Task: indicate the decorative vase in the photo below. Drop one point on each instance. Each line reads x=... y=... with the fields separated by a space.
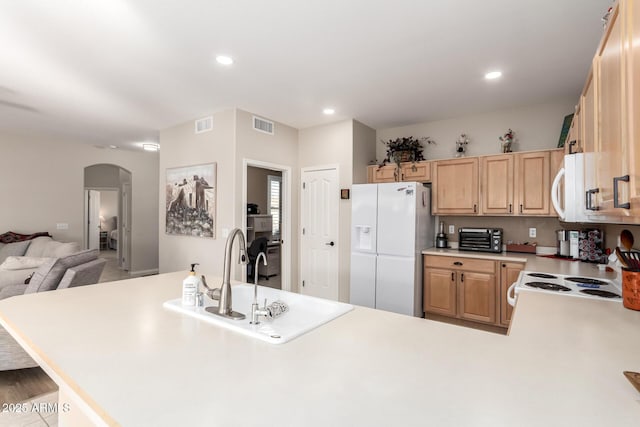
x=402 y=156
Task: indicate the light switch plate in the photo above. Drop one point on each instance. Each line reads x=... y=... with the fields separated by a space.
x=532 y=232
x=452 y=229
x=225 y=232
x=62 y=226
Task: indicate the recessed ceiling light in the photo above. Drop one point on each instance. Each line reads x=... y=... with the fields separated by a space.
x=328 y=111
x=493 y=75
x=113 y=147
x=147 y=146
x=224 y=60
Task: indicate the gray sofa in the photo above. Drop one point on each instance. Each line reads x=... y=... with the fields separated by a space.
x=60 y=271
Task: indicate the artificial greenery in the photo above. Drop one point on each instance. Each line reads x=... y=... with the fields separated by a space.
x=412 y=146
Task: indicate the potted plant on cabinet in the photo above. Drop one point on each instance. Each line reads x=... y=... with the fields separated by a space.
x=405 y=149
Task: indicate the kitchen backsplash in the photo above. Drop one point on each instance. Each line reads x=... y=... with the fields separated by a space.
x=516 y=229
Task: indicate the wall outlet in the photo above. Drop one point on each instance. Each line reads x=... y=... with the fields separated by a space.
x=452 y=229
x=62 y=226
x=532 y=232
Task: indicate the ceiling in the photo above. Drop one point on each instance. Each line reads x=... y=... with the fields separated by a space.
x=116 y=72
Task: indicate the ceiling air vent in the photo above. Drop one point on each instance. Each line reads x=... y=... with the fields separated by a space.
x=204 y=124
x=262 y=125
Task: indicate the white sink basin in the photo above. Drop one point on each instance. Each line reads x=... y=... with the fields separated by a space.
x=305 y=313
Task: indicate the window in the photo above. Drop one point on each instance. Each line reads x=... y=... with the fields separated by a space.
x=274 y=196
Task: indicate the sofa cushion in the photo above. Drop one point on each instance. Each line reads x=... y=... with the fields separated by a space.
x=13 y=249
x=47 y=247
x=48 y=276
x=22 y=262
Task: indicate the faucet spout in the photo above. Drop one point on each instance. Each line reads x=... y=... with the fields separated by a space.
x=224 y=307
x=255 y=308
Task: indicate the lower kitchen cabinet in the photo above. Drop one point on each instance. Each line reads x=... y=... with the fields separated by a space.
x=463 y=288
x=509 y=272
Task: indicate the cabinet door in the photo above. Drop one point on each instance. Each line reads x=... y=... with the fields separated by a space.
x=497 y=184
x=418 y=171
x=509 y=272
x=633 y=71
x=377 y=174
x=477 y=297
x=588 y=116
x=609 y=157
x=455 y=184
x=533 y=190
x=440 y=291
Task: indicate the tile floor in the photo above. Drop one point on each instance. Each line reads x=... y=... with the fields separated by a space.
x=41 y=411
x=111 y=271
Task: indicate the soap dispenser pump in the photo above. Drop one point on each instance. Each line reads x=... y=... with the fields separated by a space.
x=190 y=287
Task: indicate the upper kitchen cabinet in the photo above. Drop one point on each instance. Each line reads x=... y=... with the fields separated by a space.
x=587 y=132
x=497 y=184
x=455 y=187
x=609 y=99
x=614 y=92
x=408 y=171
x=573 y=143
x=518 y=183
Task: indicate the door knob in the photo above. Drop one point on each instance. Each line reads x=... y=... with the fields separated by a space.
x=330 y=244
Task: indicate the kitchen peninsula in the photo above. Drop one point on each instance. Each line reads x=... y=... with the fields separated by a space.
x=120 y=358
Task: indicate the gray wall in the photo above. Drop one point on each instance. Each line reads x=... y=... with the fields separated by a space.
x=42 y=184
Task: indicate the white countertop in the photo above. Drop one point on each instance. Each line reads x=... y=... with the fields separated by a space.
x=136 y=363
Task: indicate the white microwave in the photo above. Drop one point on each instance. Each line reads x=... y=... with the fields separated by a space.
x=569 y=195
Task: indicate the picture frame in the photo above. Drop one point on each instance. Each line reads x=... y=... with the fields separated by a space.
x=191 y=200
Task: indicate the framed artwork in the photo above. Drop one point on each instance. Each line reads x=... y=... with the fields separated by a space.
x=191 y=201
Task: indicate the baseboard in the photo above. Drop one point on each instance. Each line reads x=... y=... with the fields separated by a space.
x=140 y=273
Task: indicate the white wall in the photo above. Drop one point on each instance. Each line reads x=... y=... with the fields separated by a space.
x=180 y=146
x=108 y=203
x=536 y=127
x=42 y=184
x=364 y=151
x=333 y=144
x=279 y=149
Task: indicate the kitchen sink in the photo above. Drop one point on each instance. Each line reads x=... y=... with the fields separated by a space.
x=305 y=313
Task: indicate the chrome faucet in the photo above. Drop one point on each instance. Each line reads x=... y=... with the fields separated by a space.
x=256 y=312
x=225 y=303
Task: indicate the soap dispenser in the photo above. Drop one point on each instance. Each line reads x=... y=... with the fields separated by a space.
x=190 y=288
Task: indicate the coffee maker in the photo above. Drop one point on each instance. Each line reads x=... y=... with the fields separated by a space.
x=441 y=238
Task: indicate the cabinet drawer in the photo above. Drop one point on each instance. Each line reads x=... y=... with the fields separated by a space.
x=458 y=263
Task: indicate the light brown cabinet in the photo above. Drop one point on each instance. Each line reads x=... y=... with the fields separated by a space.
x=409 y=171
x=455 y=187
x=509 y=272
x=464 y=288
x=518 y=183
x=610 y=105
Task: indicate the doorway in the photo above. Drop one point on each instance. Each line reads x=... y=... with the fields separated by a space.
x=319 y=225
x=107 y=216
x=266 y=219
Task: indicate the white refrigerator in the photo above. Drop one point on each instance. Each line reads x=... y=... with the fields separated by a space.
x=390 y=226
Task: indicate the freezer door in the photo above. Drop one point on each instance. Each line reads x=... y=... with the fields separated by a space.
x=364 y=203
x=397 y=218
x=363 y=280
x=396 y=289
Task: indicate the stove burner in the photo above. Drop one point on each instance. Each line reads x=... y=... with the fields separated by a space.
x=548 y=286
x=542 y=275
x=599 y=293
x=585 y=280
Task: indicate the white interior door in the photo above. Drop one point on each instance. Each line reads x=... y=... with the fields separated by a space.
x=319 y=240
x=93 y=219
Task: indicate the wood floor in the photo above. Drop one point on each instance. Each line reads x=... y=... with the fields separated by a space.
x=23 y=384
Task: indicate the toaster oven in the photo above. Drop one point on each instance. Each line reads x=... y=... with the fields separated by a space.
x=480 y=239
